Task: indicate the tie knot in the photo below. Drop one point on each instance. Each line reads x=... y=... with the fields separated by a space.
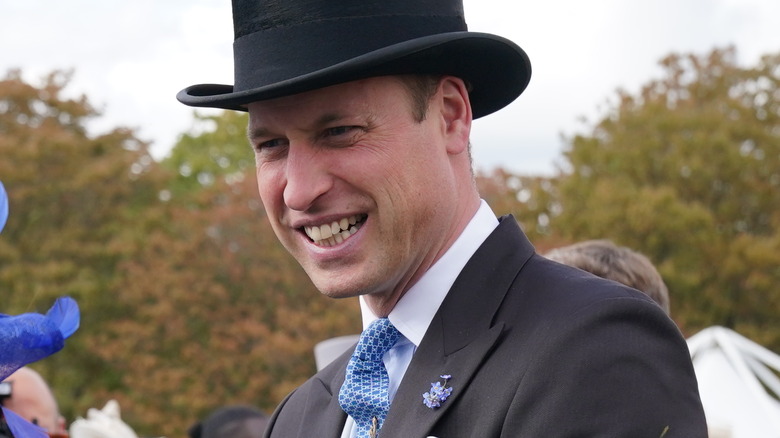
x=377 y=339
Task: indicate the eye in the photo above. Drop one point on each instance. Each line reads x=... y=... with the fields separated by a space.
x=339 y=130
x=271 y=144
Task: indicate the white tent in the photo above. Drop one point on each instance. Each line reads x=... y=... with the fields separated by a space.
x=738 y=383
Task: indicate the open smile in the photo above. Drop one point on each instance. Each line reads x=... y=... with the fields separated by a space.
x=336 y=231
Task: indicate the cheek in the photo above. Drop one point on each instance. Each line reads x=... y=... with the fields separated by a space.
x=270 y=189
x=273 y=206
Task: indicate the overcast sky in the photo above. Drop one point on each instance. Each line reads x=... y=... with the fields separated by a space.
x=132 y=57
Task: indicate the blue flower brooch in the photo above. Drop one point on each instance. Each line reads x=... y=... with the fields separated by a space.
x=439 y=392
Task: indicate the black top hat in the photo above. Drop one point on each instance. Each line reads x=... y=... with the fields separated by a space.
x=284 y=47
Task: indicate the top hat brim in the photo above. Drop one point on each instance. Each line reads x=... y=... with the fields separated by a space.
x=495 y=69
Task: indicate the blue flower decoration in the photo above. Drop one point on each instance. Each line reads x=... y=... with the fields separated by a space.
x=30 y=337
x=439 y=393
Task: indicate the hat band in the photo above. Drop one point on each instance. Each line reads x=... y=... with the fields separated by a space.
x=279 y=54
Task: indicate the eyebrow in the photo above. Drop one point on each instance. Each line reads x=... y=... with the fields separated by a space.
x=325 y=119
x=254 y=133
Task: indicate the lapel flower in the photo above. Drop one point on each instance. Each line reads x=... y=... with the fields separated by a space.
x=438 y=393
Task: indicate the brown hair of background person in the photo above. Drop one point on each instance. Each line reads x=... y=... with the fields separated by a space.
x=618 y=263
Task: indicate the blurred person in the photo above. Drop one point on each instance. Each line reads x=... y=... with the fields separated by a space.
x=235 y=421
x=32 y=399
x=360 y=114
x=617 y=263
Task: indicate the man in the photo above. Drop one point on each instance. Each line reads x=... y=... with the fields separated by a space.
x=32 y=399
x=360 y=114
x=617 y=263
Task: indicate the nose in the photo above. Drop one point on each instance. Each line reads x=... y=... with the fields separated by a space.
x=307 y=176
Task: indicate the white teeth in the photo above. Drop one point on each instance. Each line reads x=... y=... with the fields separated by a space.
x=334 y=233
x=326 y=231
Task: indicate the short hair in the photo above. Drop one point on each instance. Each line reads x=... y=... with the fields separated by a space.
x=421 y=89
x=607 y=260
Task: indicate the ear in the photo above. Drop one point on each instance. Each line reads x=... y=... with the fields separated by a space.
x=456 y=113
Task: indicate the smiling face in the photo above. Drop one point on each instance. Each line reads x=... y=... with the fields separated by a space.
x=362 y=194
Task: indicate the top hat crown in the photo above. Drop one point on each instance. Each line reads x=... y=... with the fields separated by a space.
x=285 y=47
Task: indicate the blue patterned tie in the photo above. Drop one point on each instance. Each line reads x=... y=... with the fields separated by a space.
x=364 y=394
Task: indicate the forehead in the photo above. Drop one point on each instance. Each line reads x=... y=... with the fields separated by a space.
x=351 y=97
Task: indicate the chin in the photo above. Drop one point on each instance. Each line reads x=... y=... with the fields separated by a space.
x=339 y=294
x=337 y=289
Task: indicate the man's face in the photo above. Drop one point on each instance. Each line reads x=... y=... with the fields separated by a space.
x=360 y=193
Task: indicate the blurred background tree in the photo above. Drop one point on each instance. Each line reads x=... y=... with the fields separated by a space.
x=74 y=202
x=216 y=149
x=189 y=302
x=688 y=172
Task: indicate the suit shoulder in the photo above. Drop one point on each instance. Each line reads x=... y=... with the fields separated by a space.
x=572 y=289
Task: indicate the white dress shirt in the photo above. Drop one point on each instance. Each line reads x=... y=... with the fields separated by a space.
x=415 y=310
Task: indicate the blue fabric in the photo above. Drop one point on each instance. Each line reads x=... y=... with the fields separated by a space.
x=364 y=394
x=29 y=337
x=22 y=428
x=3 y=206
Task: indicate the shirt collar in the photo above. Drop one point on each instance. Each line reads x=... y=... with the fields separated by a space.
x=415 y=310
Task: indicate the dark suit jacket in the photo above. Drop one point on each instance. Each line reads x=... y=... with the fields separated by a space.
x=535 y=349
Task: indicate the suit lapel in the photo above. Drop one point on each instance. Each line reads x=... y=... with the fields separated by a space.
x=462 y=333
x=322 y=415
x=409 y=416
